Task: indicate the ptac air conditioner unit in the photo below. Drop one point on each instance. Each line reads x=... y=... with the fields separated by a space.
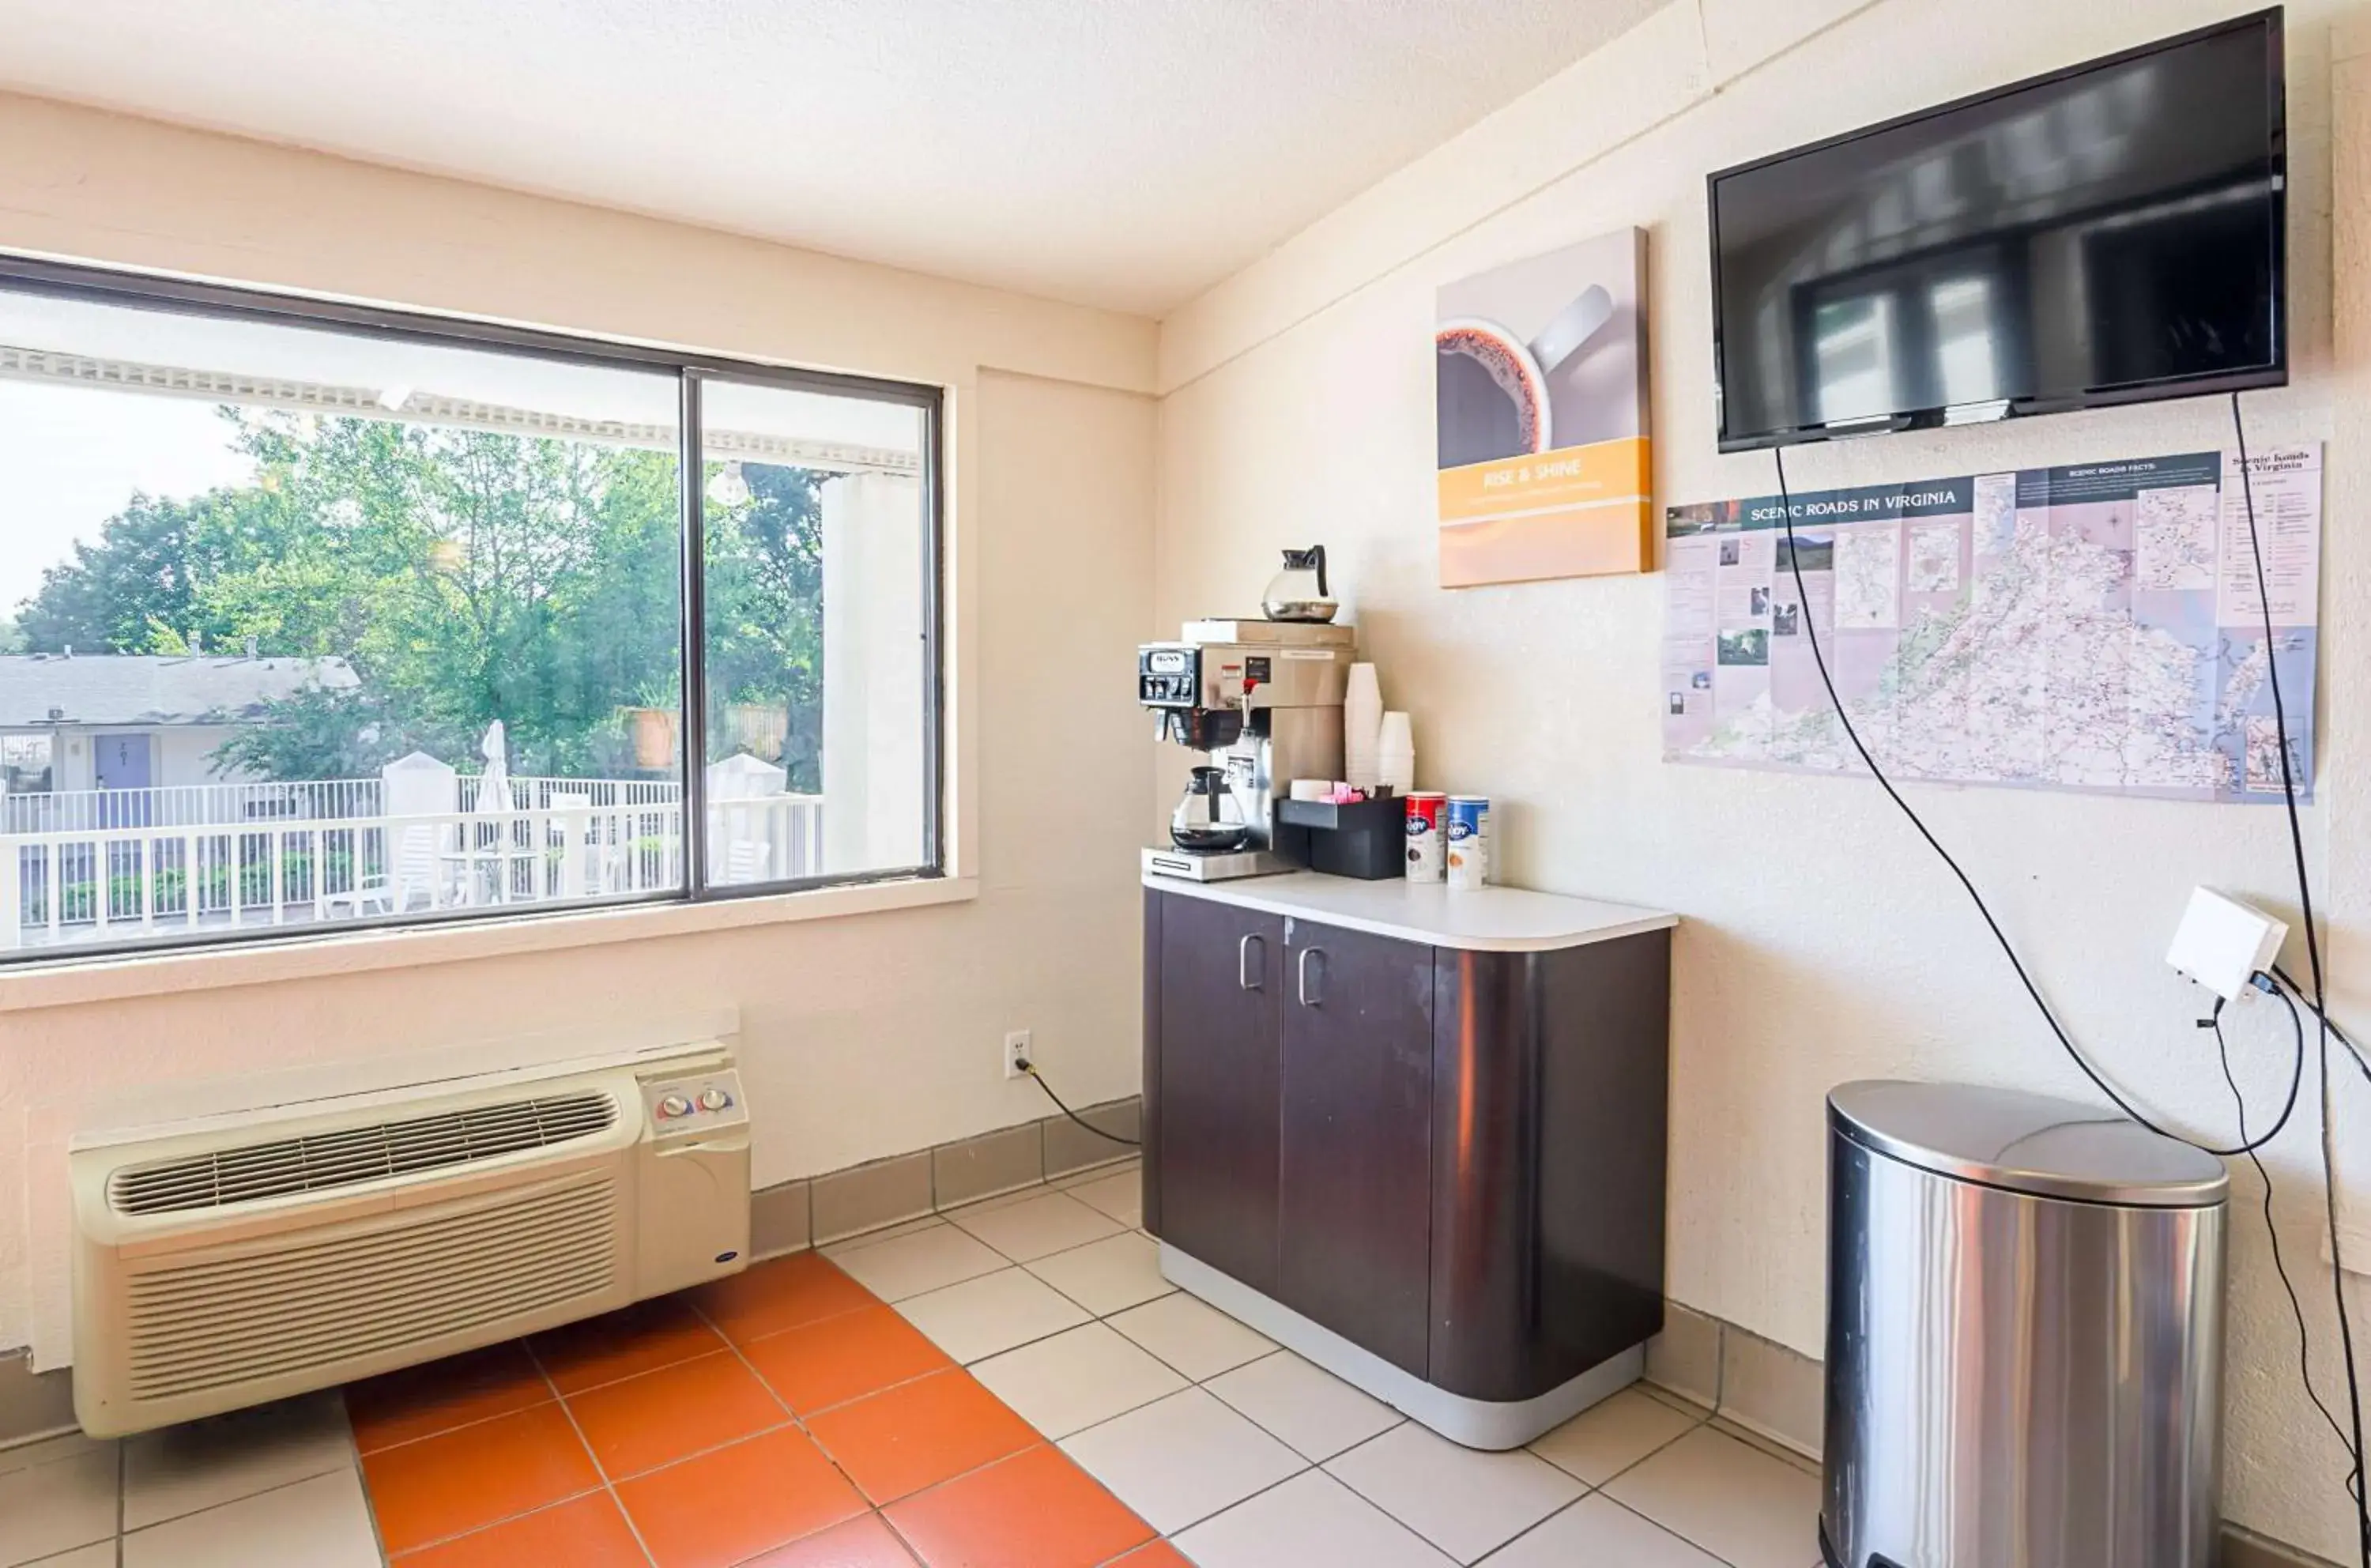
x=250 y=1258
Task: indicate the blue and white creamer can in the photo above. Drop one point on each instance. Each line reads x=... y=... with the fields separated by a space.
x=1468 y=832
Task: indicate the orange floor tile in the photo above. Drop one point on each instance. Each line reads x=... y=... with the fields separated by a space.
x=585 y=1532
x=865 y=1542
x=478 y=1475
x=420 y=1401
x=894 y=1443
x=785 y=1418
x=1159 y=1554
x=673 y=1413
x=1034 y=1510
x=785 y=1293
x=643 y=1338
x=728 y=1505
x=843 y=1358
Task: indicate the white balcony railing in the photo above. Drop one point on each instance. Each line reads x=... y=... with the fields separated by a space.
x=185 y=869
x=317 y=800
x=188 y=805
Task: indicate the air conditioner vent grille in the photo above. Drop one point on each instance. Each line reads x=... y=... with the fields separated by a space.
x=322 y=1161
x=285 y=1312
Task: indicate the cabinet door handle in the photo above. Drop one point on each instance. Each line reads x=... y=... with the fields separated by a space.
x=1245 y=975
x=1307 y=1000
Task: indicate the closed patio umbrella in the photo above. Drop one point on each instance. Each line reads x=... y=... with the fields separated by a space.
x=494 y=784
x=493 y=840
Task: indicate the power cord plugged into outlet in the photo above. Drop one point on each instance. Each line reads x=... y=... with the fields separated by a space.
x=1018 y=1063
x=2268 y=982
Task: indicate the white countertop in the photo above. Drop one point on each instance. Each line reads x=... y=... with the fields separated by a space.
x=1488 y=919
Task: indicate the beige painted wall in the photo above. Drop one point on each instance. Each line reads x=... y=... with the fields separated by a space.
x=1822 y=941
x=1819 y=943
x=861 y=1036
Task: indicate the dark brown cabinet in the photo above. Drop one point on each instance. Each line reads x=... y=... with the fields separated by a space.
x=1355 y=1152
x=1447 y=1154
x=1219 y=969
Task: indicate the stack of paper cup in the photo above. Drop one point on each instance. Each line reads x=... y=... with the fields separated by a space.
x=1395 y=754
x=1363 y=722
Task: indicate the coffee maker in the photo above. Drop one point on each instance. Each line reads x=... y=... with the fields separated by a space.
x=1262 y=699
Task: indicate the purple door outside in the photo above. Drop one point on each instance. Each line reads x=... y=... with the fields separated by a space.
x=122 y=762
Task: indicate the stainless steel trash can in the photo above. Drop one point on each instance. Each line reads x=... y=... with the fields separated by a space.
x=2025 y=1334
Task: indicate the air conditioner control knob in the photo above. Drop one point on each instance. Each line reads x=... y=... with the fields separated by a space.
x=673 y=1105
x=715 y=1100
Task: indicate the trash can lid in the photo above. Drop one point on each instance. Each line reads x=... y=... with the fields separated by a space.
x=2027 y=1143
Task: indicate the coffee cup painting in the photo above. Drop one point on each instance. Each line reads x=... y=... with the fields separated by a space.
x=1541 y=414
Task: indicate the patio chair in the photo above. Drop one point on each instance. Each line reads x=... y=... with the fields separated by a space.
x=745 y=860
x=416 y=866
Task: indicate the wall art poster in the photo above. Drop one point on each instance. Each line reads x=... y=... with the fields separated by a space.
x=1540 y=408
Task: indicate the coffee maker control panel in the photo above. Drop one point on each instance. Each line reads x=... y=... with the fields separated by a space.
x=1240 y=678
x=1169 y=675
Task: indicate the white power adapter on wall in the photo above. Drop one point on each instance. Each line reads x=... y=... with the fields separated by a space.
x=2224 y=944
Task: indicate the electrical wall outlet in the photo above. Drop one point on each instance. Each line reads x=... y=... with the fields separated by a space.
x=2223 y=943
x=1016 y=1053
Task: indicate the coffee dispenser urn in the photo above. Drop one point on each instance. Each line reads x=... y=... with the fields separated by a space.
x=1262 y=699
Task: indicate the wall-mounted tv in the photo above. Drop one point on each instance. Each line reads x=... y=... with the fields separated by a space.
x=2107 y=234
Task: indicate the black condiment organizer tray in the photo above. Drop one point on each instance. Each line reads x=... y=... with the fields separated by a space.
x=1367 y=839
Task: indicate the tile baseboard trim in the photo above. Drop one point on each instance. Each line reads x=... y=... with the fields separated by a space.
x=814 y=1210
x=1778 y=1393
x=33 y=1405
x=2245 y=1548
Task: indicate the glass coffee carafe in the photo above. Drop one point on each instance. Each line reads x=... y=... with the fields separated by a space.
x=1209 y=819
x=1300 y=593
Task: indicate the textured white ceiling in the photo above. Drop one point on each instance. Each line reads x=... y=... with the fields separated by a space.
x=1124 y=153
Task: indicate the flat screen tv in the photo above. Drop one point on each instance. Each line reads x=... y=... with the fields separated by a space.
x=2111 y=233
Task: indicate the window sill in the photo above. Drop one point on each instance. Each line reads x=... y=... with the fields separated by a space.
x=70 y=981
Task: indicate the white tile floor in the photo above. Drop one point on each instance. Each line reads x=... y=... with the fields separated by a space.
x=1037 y=1227
x=1076 y=1378
x=1249 y=1456
x=1463 y=1501
x=1181 y=1460
x=995 y=1312
x=277 y=1487
x=1191 y=1335
x=1110 y=1275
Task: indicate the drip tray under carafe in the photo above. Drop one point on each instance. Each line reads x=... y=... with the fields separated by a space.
x=1189 y=867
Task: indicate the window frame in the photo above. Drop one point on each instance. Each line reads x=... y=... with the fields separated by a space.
x=105 y=286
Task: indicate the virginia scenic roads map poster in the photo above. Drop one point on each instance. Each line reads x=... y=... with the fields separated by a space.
x=2088 y=628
